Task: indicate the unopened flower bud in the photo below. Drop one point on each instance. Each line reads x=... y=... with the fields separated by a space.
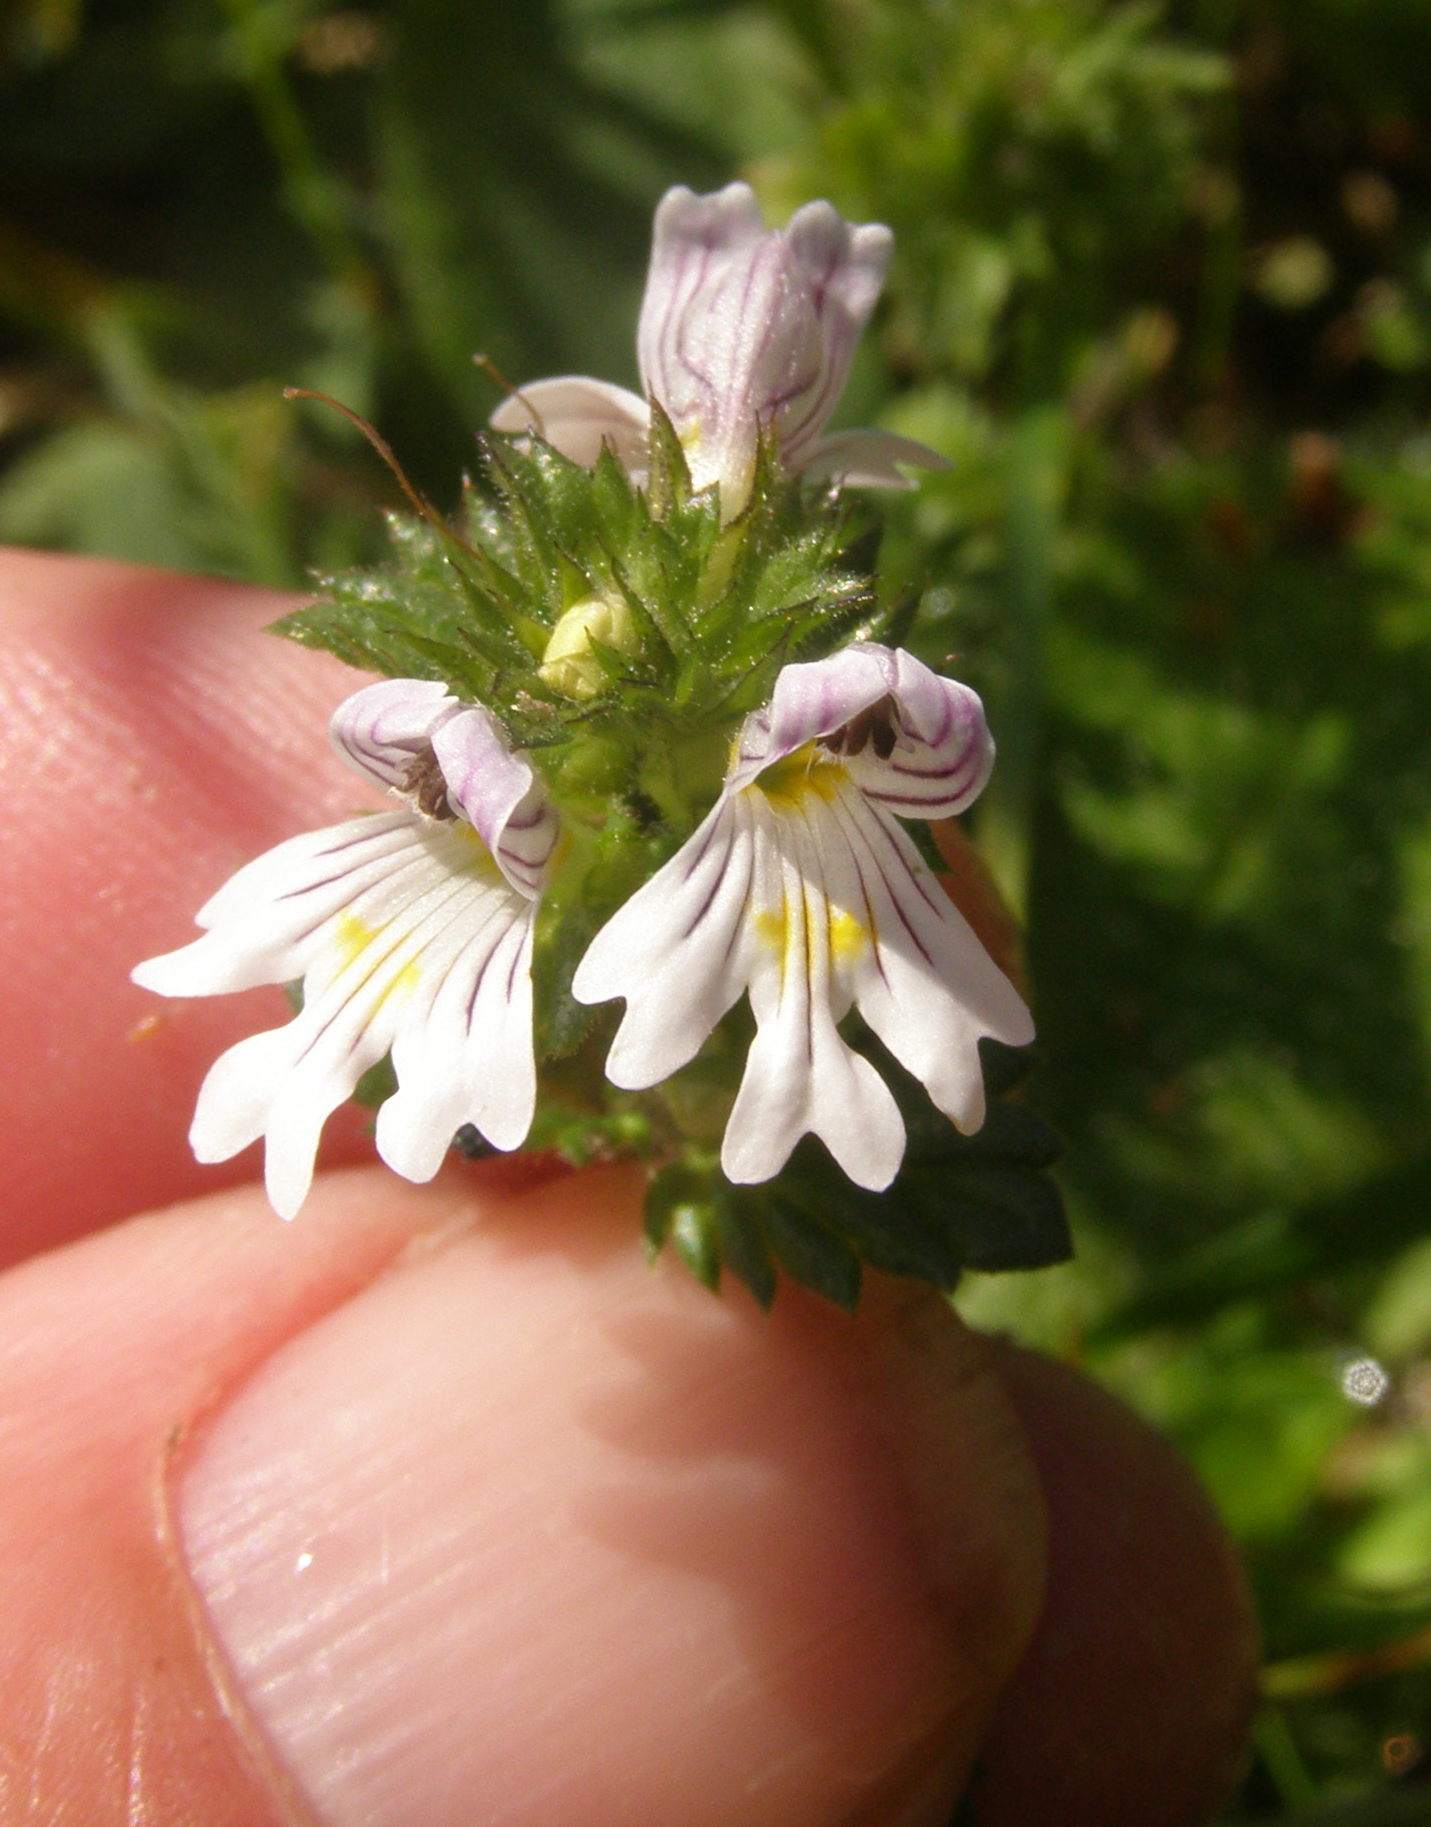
x=569 y=664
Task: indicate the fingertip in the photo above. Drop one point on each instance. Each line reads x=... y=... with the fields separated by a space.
x=528 y=1522
x=471 y=1509
x=1134 y=1700
x=113 y=1701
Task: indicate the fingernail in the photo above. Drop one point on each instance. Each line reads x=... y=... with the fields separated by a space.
x=529 y=1533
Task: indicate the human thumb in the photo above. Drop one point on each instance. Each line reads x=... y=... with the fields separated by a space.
x=442 y=1506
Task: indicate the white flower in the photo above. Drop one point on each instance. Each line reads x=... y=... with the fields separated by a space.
x=412 y=932
x=801 y=888
x=743 y=329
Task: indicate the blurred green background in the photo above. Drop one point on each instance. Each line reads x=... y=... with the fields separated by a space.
x=1163 y=295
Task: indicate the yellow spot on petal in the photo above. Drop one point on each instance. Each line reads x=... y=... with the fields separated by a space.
x=773 y=928
x=847 y=936
x=353 y=937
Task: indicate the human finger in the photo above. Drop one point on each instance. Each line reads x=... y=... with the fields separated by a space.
x=439 y=1505
x=1133 y=1701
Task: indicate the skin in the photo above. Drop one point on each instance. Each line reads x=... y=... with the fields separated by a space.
x=849 y=1568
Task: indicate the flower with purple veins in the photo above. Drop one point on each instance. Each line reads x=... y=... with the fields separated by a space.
x=411 y=930
x=801 y=889
x=745 y=331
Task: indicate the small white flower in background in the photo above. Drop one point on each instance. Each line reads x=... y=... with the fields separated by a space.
x=801 y=888
x=743 y=330
x=411 y=930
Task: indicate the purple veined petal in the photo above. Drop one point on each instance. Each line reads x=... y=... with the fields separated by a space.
x=412 y=934
x=813 y=699
x=943 y=753
x=283 y=1084
x=748 y=355
x=925 y=983
x=934 y=784
x=868 y=459
x=577 y=415
x=678 y=951
x=751 y=751
x=382 y=729
x=528 y=843
x=687 y=221
x=379 y=970
x=843 y=266
x=692 y=240
x=266 y=922
x=384 y=988
x=932 y=707
x=736 y=347
x=746 y=329
x=801 y=1077
x=471 y=1061
x=499 y=794
x=806 y=894
x=743 y=330
x=840 y=270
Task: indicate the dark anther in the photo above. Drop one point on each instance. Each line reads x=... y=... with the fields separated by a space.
x=875 y=726
x=425 y=785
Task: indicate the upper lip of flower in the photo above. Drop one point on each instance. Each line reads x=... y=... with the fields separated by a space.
x=744 y=331
x=744 y=328
x=801 y=888
x=387 y=730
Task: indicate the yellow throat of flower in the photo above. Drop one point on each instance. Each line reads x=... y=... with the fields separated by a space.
x=809 y=770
